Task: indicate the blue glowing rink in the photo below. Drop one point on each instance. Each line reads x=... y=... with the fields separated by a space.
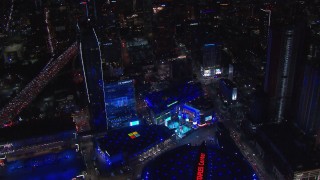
x=198 y=162
x=62 y=165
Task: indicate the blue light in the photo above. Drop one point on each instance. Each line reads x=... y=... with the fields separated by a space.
x=148 y=103
x=168 y=118
x=194 y=110
x=206 y=45
x=206 y=11
x=175 y=102
x=134 y=123
x=208 y=118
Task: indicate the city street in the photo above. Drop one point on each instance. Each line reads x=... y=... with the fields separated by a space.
x=25 y=97
x=232 y=123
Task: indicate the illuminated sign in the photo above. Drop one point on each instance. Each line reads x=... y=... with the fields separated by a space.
x=172 y=103
x=218 y=71
x=124 y=82
x=208 y=118
x=107 y=44
x=207 y=73
x=137 y=42
x=202 y=125
x=209 y=45
x=230 y=69
x=166 y=121
x=200 y=168
x=234 y=94
x=2 y=161
x=182 y=56
x=134 y=123
x=134 y=135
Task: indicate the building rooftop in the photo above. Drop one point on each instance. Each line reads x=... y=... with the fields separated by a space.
x=26 y=130
x=202 y=103
x=13 y=48
x=162 y=100
x=228 y=83
x=291 y=150
x=66 y=164
x=184 y=163
x=133 y=140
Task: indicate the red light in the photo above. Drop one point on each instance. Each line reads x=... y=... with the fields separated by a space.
x=202 y=125
x=8 y=124
x=200 y=169
x=2 y=162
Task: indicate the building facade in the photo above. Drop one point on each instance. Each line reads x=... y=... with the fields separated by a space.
x=120 y=104
x=285 y=53
x=90 y=56
x=308 y=116
x=211 y=60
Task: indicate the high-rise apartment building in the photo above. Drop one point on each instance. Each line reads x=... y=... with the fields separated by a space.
x=308 y=114
x=286 y=47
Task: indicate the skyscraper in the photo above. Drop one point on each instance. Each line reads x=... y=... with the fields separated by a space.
x=144 y=8
x=211 y=55
x=211 y=59
x=93 y=75
x=285 y=50
x=308 y=116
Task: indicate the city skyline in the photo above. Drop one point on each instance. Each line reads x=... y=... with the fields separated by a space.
x=166 y=89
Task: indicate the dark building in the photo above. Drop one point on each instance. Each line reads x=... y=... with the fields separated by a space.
x=286 y=48
x=308 y=116
x=211 y=55
x=228 y=89
x=292 y=154
x=264 y=26
x=182 y=69
x=144 y=8
x=90 y=7
x=93 y=75
x=139 y=51
x=211 y=59
x=129 y=144
x=258 y=108
x=161 y=101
